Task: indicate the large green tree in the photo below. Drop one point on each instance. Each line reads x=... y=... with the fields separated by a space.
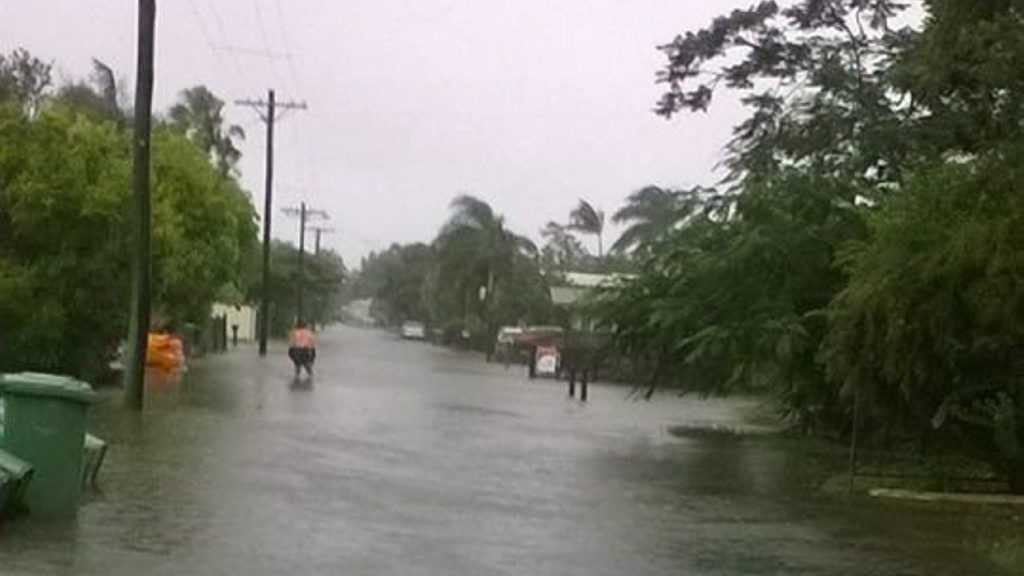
x=733 y=302
x=395 y=280
x=474 y=247
x=203 y=226
x=64 y=205
x=477 y=258
x=865 y=245
x=927 y=331
x=324 y=274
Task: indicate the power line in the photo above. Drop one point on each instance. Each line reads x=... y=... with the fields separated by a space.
x=265 y=36
x=205 y=32
x=303 y=143
x=219 y=23
x=268 y=54
x=285 y=42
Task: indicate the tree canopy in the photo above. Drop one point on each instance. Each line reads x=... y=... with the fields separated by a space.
x=199 y=114
x=864 y=245
x=64 y=205
x=476 y=275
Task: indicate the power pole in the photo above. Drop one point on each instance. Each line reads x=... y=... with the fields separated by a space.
x=303 y=213
x=138 y=324
x=318 y=230
x=268 y=117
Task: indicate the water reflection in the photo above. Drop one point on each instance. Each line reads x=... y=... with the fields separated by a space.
x=300 y=384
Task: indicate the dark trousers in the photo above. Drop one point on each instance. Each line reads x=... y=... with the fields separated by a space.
x=302 y=357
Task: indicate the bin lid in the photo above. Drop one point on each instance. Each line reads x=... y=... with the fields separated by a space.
x=49 y=385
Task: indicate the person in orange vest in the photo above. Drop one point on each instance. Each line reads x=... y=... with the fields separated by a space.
x=302 y=348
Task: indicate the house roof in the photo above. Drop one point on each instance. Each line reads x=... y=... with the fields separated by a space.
x=576 y=285
x=562 y=295
x=588 y=280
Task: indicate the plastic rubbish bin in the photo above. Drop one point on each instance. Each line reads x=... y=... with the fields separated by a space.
x=45 y=426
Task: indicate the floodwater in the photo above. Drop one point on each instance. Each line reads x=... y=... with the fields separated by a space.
x=403 y=458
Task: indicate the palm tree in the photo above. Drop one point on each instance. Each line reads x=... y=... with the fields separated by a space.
x=106 y=88
x=475 y=248
x=585 y=218
x=200 y=115
x=651 y=212
x=476 y=238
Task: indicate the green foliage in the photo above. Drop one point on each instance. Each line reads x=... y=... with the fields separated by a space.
x=199 y=114
x=64 y=238
x=396 y=280
x=98 y=98
x=964 y=73
x=868 y=244
x=927 y=328
x=441 y=283
x=653 y=212
x=203 y=225
x=24 y=80
x=816 y=76
x=562 y=252
x=324 y=276
x=733 y=303
x=475 y=251
x=63 y=197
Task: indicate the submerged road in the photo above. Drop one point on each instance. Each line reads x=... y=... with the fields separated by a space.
x=403 y=458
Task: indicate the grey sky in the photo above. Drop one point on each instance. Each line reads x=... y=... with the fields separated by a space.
x=528 y=104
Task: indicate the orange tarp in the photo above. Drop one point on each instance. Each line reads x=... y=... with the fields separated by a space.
x=165 y=351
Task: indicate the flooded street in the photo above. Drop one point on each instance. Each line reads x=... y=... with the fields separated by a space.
x=404 y=458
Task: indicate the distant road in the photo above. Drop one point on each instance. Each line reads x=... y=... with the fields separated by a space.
x=358 y=311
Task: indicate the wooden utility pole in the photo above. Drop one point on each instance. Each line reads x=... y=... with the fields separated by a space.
x=271 y=105
x=302 y=254
x=303 y=213
x=138 y=323
x=318 y=230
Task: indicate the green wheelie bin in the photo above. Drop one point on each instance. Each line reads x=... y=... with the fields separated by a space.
x=45 y=418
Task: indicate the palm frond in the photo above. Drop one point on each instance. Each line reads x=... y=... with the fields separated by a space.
x=586 y=218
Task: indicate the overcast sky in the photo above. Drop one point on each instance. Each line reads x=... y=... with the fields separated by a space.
x=528 y=104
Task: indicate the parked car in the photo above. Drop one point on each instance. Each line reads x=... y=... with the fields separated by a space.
x=507 y=334
x=414 y=331
x=505 y=346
